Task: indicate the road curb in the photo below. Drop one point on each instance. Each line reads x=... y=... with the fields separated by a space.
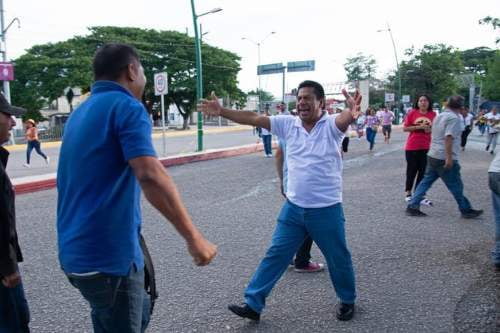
x=48 y=183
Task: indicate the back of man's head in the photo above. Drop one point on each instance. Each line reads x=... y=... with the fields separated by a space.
x=455 y=102
x=111 y=60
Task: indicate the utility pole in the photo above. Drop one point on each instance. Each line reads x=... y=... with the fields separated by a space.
x=6 y=85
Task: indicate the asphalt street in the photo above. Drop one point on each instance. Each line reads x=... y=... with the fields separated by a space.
x=428 y=274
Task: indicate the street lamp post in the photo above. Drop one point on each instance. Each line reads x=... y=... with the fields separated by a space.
x=397 y=67
x=6 y=85
x=258 y=61
x=199 y=82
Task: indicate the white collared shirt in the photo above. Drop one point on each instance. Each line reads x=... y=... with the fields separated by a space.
x=313 y=159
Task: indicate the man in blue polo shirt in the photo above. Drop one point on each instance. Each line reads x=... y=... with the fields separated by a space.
x=314 y=194
x=107 y=156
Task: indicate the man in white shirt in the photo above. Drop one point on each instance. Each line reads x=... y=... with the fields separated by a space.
x=314 y=194
x=493 y=121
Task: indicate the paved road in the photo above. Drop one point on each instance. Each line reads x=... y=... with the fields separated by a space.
x=413 y=275
x=174 y=146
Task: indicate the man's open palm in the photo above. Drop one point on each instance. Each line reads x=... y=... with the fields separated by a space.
x=210 y=106
x=353 y=102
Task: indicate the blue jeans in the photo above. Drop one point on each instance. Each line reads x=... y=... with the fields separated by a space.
x=119 y=303
x=14 y=311
x=35 y=144
x=370 y=136
x=326 y=228
x=268 y=148
x=451 y=178
x=494 y=182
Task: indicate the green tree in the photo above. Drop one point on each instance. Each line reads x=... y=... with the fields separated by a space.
x=360 y=67
x=476 y=60
x=265 y=95
x=491 y=82
x=45 y=70
x=432 y=70
x=494 y=22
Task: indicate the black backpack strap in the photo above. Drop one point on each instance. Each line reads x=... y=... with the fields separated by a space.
x=149 y=274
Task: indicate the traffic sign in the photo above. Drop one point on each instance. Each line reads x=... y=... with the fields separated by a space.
x=161 y=84
x=6 y=71
x=300 y=66
x=270 y=69
x=389 y=97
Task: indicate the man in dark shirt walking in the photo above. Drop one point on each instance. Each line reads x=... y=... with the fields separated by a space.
x=14 y=312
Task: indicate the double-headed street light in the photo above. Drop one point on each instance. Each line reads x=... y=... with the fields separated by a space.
x=199 y=82
x=397 y=66
x=258 y=59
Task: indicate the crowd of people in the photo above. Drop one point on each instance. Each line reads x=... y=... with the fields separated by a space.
x=101 y=249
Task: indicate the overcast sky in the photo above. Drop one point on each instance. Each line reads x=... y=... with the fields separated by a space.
x=326 y=31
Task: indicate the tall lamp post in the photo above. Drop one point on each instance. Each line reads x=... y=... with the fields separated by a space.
x=199 y=82
x=258 y=60
x=6 y=85
x=397 y=67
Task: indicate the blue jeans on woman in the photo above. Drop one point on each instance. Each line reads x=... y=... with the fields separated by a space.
x=266 y=140
x=119 y=303
x=34 y=144
x=326 y=228
x=370 y=136
x=14 y=311
x=451 y=178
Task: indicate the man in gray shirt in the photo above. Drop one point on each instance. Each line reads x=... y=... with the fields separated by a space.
x=442 y=161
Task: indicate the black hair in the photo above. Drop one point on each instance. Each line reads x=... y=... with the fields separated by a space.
x=456 y=102
x=429 y=107
x=112 y=59
x=319 y=92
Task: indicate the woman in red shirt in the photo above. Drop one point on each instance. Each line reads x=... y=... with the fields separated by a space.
x=418 y=123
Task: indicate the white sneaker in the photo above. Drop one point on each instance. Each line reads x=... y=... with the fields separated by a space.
x=426 y=202
x=26 y=165
x=408 y=198
x=47 y=160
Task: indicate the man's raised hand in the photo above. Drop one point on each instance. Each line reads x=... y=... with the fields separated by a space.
x=353 y=103
x=210 y=106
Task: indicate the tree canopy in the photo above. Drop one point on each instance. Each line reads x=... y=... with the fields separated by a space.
x=46 y=70
x=432 y=70
x=360 y=67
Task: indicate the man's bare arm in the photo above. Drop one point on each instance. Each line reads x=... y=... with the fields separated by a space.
x=448 y=149
x=212 y=107
x=162 y=193
x=279 y=168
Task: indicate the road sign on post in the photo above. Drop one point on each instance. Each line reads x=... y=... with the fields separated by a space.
x=161 y=84
x=300 y=66
x=161 y=89
x=389 y=97
x=270 y=69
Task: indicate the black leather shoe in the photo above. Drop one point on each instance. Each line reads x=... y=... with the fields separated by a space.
x=345 y=311
x=472 y=213
x=414 y=212
x=244 y=311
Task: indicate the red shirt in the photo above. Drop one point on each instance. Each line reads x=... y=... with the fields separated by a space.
x=418 y=140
